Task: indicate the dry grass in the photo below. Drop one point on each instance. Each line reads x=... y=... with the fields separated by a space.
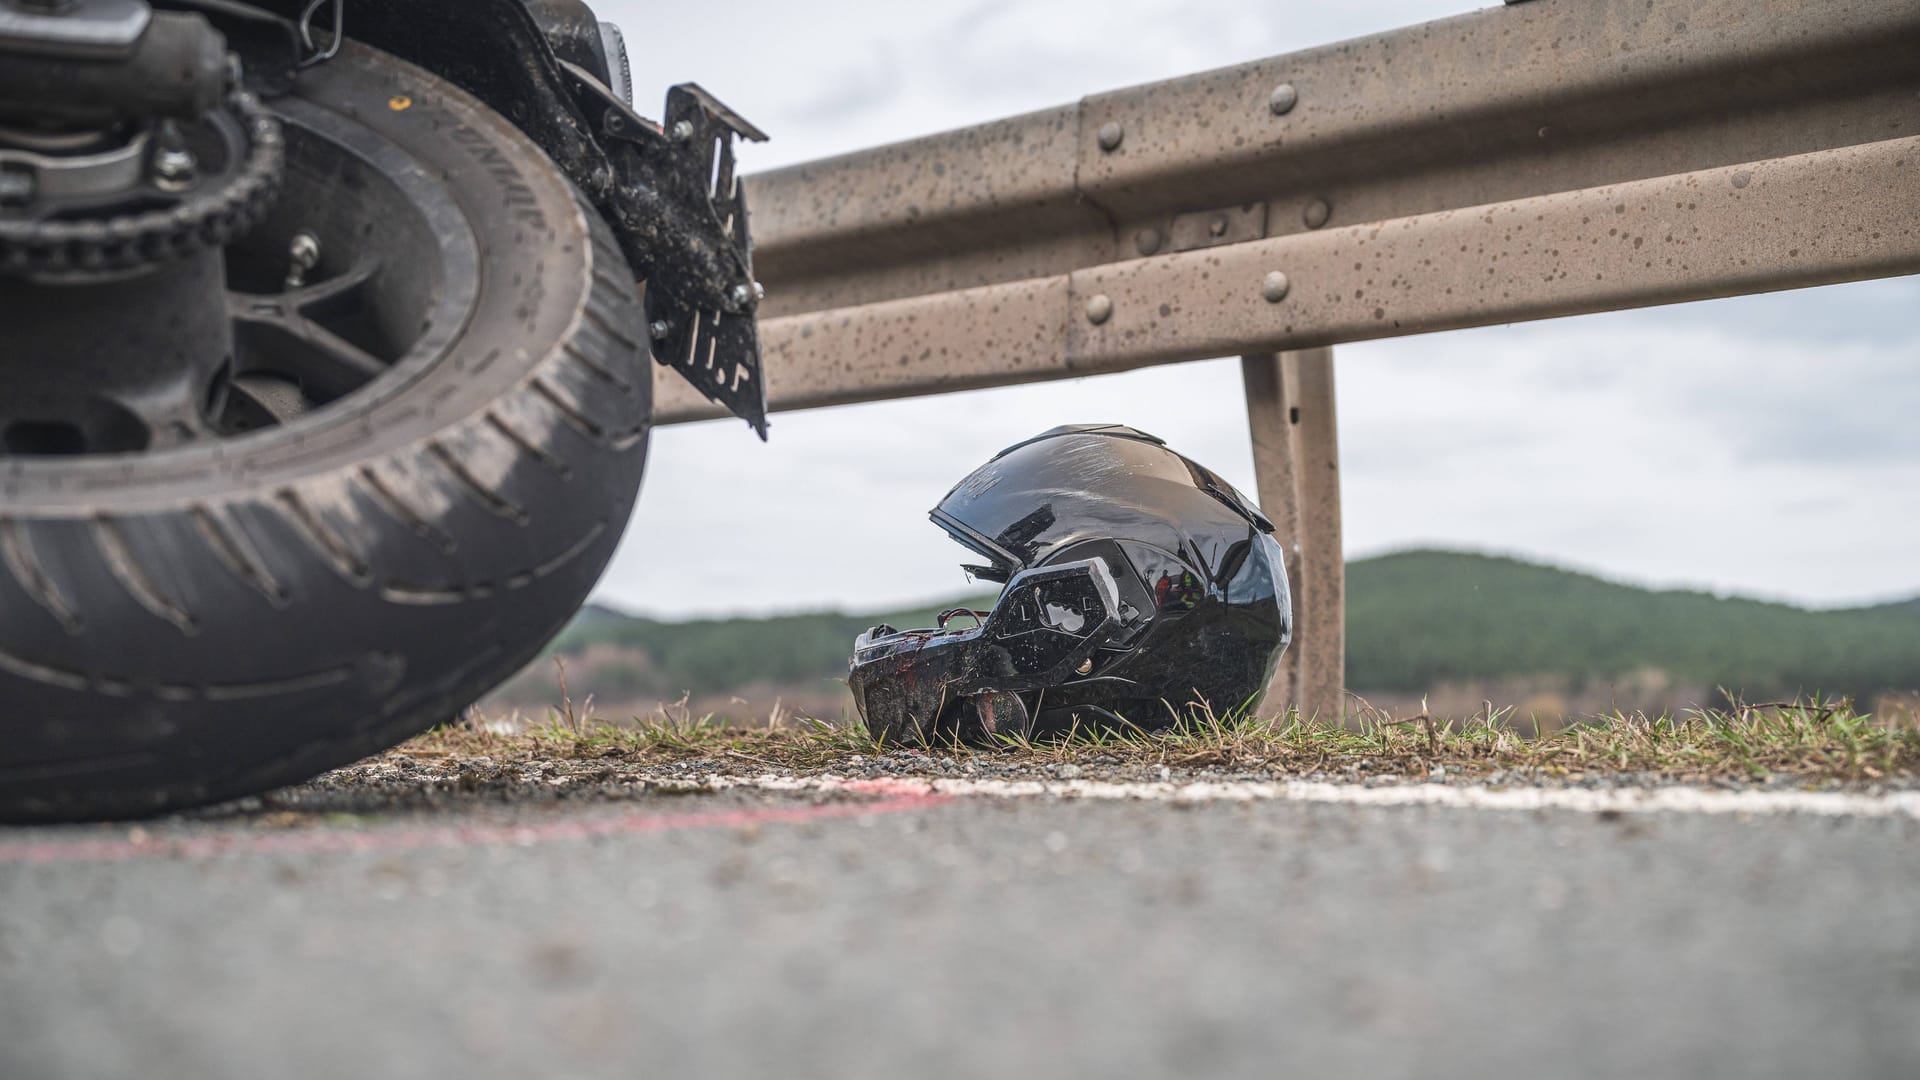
x=1808 y=740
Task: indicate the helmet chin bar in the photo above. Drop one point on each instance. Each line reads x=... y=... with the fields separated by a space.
x=1043 y=631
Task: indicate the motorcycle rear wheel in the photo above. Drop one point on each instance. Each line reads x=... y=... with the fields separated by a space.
x=430 y=449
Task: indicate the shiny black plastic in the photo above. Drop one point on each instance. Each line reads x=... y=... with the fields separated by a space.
x=1140 y=588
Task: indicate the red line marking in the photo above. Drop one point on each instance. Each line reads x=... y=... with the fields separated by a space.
x=896 y=798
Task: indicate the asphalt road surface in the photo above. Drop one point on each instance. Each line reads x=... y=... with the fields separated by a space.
x=889 y=933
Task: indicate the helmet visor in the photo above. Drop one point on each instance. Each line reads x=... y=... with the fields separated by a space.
x=1081 y=482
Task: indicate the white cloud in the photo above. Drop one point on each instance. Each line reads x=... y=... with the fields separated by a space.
x=825 y=78
x=1697 y=454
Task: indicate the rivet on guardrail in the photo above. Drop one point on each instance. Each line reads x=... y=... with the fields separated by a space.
x=1110 y=135
x=1316 y=213
x=1099 y=309
x=1146 y=241
x=1283 y=98
x=1275 y=287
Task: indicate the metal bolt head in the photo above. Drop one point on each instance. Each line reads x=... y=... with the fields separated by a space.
x=1111 y=133
x=1275 y=287
x=1099 y=309
x=303 y=254
x=1147 y=241
x=659 y=329
x=741 y=295
x=681 y=131
x=1085 y=668
x=173 y=167
x=759 y=291
x=1283 y=99
x=1316 y=213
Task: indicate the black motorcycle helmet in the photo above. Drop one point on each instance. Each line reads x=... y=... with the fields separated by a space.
x=1140 y=588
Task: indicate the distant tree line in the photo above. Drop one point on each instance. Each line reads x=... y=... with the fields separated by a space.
x=1414 y=620
x=1417 y=618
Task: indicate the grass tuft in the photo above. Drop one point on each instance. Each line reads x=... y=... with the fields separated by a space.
x=1811 y=740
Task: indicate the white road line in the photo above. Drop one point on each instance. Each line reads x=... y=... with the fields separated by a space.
x=1625 y=800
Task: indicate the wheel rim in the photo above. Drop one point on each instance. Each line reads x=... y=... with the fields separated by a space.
x=364 y=272
x=395 y=278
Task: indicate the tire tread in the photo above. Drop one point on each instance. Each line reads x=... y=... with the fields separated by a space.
x=281 y=548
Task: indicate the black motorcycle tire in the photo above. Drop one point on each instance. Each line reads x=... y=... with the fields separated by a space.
x=192 y=625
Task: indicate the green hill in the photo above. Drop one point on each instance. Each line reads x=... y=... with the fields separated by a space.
x=1420 y=617
x=1414 y=620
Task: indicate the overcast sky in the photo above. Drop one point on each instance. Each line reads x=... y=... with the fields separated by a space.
x=1763 y=445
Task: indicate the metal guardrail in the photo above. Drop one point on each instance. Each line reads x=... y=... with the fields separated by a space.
x=1547 y=159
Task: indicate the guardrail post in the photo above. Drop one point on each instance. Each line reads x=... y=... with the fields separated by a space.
x=1296 y=464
